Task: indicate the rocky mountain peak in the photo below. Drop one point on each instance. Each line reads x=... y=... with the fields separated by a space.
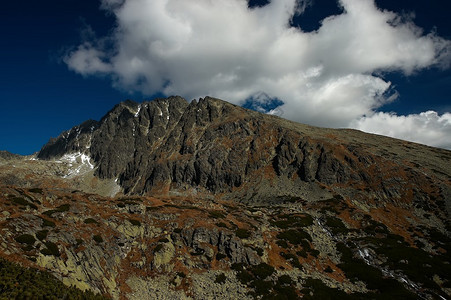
x=205 y=199
x=76 y=139
x=170 y=144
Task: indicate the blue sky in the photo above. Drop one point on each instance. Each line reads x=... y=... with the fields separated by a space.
x=61 y=62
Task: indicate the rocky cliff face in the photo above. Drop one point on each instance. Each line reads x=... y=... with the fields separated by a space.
x=170 y=144
x=216 y=201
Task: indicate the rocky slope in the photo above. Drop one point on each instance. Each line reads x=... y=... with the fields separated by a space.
x=173 y=200
x=170 y=144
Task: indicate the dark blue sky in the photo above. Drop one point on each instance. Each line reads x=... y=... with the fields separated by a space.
x=40 y=97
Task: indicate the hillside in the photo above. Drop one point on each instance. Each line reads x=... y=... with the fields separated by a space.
x=171 y=200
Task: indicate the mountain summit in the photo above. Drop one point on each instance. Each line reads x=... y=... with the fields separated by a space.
x=219 y=148
x=171 y=199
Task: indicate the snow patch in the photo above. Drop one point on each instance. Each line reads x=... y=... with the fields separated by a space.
x=166 y=106
x=139 y=109
x=366 y=256
x=79 y=163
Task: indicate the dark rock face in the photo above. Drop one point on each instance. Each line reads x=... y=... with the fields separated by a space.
x=227 y=244
x=220 y=147
x=333 y=207
x=77 y=139
x=208 y=144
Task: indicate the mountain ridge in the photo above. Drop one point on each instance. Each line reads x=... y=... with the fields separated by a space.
x=176 y=200
x=217 y=146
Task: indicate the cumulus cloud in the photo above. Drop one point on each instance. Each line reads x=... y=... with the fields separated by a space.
x=427 y=127
x=225 y=49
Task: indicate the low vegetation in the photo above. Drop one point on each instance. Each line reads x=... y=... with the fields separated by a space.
x=60 y=209
x=263 y=284
x=17 y=282
x=26 y=239
x=51 y=249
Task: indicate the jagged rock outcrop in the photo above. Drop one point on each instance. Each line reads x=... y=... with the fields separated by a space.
x=215 y=198
x=77 y=139
x=217 y=147
x=201 y=239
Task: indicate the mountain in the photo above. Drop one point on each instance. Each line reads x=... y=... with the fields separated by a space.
x=5 y=155
x=171 y=199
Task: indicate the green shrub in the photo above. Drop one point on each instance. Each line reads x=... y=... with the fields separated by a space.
x=97 y=238
x=237 y=267
x=28 y=248
x=293 y=221
x=336 y=225
x=59 y=209
x=302 y=253
x=63 y=208
x=17 y=282
x=357 y=270
x=316 y=289
x=292 y=259
x=282 y=243
x=256 y=279
x=262 y=270
x=261 y=287
x=26 y=239
x=221 y=278
x=282 y=293
x=220 y=256
x=259 y=251
x=52 y=249
x=242 y=233
x=376 y=227
x=245 y=277
x=46 y=251
x=90 y=221
x=421 y=266
x=151 y=208
x=23 y=202
x=36 y=190
x=284 y=280
x=216 y=214
x=305 y=221
x=198 y=252
x=158 y=248
x=221 y=224
x=134 y=222
x=20 y=201
x=47 y=223
x=42 y=234
x=314 y=252
x=294 y=236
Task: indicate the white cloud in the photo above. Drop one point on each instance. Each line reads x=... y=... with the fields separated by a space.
x=87 y=60
x=427 y=127
x=224 y=49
